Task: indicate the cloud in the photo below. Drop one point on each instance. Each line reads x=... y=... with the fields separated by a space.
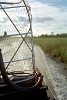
x=57 y=3
x=42 y=19
x=3 y=20
x=47 y=18
x=18 y=16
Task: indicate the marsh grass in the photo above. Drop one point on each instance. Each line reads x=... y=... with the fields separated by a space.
x=54 y=46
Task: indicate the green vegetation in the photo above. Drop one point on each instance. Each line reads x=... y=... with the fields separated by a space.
x=54 y=46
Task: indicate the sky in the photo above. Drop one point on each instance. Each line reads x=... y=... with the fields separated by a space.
x=47 y=16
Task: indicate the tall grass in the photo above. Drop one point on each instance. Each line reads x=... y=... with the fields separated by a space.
x=54 y=46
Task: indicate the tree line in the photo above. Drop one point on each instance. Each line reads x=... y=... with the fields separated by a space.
x=52 y=35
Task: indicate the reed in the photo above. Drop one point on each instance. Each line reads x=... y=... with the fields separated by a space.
x=54 y=46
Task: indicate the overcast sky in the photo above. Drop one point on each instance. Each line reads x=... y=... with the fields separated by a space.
x=48 y=16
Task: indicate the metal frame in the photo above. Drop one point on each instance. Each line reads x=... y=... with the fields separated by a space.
x=11 y=3
x=28 y=9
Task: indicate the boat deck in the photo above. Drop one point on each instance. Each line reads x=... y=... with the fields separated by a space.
x=39 y=94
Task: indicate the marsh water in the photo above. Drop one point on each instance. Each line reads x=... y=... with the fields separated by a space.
x=9 y=48
x=58 y=74
x=55 y=70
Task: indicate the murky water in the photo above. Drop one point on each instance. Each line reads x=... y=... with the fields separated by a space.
x=55 y=71
x=58 y=72
x=9 y=47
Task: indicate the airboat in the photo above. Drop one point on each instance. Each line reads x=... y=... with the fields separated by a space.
x=19 y=78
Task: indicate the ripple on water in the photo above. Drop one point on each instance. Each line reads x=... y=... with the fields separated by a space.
x=58 y=78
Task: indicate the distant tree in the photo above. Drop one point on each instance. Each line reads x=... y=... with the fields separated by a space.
x=5 y=33
x=63 y=34
x=52 y=33
x=42 y=35
x=45 y=35
x=57 y=34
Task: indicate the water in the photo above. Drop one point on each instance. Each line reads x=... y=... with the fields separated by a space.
x=56 y=72
x=9 y=46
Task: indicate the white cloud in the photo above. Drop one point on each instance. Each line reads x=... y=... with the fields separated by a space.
x=41 y=10
x=46 y=18
x=18 y=16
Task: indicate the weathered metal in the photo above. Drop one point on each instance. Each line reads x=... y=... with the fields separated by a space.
x=29 y=86
x=16 y=84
